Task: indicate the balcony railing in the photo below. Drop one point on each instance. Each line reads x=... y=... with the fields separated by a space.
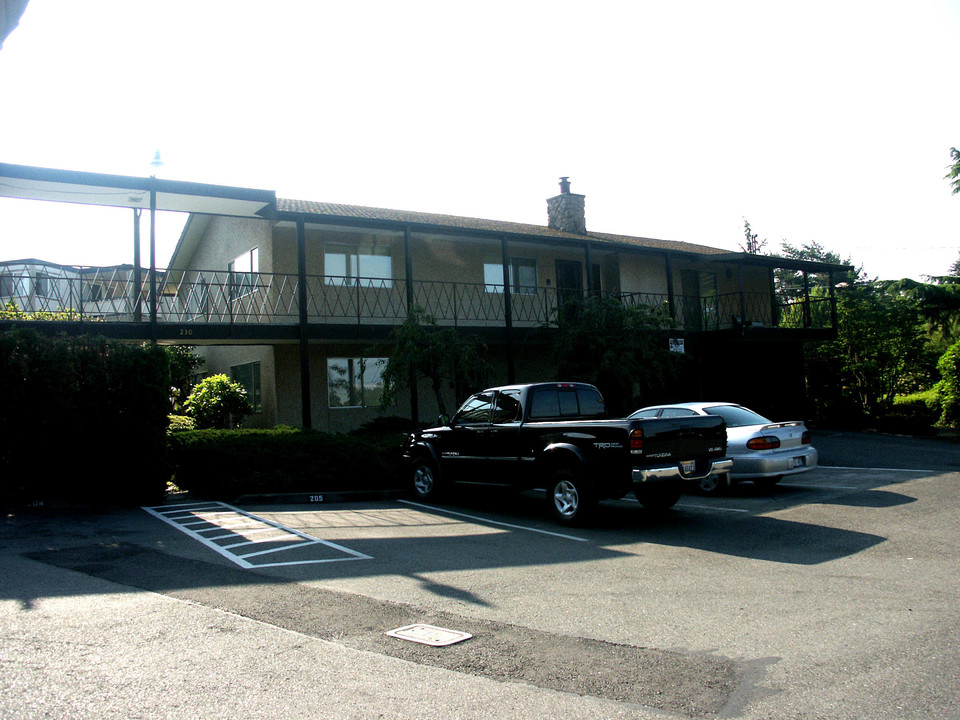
x=222 y=297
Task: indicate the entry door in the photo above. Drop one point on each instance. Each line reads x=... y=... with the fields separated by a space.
x=690 y=287
x=569 y=285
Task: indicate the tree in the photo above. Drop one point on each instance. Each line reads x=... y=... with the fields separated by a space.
x=753 y=246
x=422 y=348
x=880 y=351
x=184 y=366
x=217 y=402
x=621 y=349
x=954 y=171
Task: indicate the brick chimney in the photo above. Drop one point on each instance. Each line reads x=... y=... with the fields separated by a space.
x=566 y=211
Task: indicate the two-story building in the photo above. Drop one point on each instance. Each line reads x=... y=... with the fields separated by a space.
x=347 y=275
x=297 y=300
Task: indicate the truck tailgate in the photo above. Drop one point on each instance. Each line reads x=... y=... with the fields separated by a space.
x=678 y=439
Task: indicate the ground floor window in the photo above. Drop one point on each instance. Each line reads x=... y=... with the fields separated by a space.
x=355 y=382
x=248 y=375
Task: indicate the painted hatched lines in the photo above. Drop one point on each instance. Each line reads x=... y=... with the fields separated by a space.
x=248 y=540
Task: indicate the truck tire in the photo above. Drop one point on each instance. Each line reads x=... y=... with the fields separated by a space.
x=424 y=479
x=569 y=500
x=658 y=497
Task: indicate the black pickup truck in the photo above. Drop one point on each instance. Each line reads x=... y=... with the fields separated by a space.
x=556 y=436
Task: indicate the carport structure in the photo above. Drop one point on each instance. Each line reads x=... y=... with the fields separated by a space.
x=138 y=283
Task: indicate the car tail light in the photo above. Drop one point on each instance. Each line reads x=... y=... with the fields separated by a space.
x=636 y=440
x=805 y=438
x=765 y=442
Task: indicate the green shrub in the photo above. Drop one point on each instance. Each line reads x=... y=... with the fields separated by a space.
x=948 y=388
x=179 y=423
x=217 y=402
x=225 y=464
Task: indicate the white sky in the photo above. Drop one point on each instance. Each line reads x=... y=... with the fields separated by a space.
x=816 y=121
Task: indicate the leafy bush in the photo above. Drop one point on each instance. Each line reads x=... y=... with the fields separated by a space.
x=81 y=404
x=911 y=415
x=217 y=402
x=948 y=388
x=225 y=464
x=179 y=423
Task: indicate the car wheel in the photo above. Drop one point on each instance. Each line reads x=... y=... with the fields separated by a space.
x=714 y=484
x=767 y=482
x=569 y=500
x=424 y=476
x=658 y=497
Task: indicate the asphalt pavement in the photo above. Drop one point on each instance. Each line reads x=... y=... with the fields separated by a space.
x=830 y=596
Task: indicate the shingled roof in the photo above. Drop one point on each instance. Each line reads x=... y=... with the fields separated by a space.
x=421 y=220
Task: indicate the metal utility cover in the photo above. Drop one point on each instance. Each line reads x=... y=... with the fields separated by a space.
x=429 y=635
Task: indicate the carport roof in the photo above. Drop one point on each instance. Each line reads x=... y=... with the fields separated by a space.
x=72 y=186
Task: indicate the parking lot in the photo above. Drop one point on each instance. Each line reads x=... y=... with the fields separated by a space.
x=833 y=596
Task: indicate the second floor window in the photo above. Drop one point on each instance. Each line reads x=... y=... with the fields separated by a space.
x=352 y=266
x=243 y=273
x=523 y=276
x=42 y=285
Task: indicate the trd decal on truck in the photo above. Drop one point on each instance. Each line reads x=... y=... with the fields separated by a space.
x=608 y=446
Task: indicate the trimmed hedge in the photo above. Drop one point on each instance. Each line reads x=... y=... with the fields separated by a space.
x=78 y=408
x=225 y=464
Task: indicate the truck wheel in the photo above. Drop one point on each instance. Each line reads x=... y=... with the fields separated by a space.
x=658 y=497
x=569 y=500
x=714 y=484
x=424 y=476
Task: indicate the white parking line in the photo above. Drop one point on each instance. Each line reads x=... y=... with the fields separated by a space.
x=220 y=516
x=488 y=521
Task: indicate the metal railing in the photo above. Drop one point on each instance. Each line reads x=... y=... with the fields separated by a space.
x=225 y=297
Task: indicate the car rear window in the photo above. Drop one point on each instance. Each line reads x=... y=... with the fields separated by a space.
x=736 y=416
x=558 y=403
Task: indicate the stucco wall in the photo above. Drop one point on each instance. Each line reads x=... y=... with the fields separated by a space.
x=219 y=359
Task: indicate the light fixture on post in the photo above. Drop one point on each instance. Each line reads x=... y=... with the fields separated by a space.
x=156 y=164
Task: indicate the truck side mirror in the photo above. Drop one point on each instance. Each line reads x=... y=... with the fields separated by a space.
x=443 y=420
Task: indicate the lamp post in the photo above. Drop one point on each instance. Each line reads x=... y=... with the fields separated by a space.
x=156 y=164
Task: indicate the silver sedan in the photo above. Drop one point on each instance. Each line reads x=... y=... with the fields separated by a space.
x=762 y=451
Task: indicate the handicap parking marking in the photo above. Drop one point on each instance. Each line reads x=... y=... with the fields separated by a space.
x=239 y=536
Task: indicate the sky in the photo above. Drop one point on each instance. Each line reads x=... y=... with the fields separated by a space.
x=827 y=122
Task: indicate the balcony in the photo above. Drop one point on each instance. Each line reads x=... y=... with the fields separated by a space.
x=232 y=299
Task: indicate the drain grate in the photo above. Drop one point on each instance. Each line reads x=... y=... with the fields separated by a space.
x=429 y=635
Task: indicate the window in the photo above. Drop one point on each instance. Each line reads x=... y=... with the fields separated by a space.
x=351 y=266
x=243 y=273
x=476 y=410
x=522 y=273
x=41 y=285
x=355 y=382
x=676 y=412
x=560 y=403
x=508 y=408
x=248 y=375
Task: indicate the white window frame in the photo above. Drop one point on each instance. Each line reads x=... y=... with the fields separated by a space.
x=244 y=273
x=368 y=266
x=360 y=379
x=518 y=266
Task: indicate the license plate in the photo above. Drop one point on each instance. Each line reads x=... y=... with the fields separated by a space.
x=688 y=466
x=799 y=461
